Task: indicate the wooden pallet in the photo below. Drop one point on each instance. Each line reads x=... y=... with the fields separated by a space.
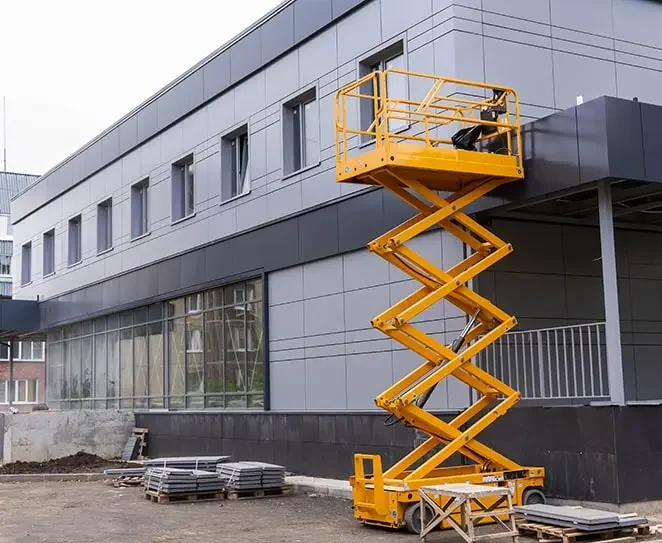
x=546 y=533
x=258 y=493
x=141 y=434
x=181 y=498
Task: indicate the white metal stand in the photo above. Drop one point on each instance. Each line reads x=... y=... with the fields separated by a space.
x=461 y=497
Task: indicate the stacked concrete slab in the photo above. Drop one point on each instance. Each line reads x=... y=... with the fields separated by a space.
x=581 y=518
x=204 y=463
x=182 y=481
x=251 y=475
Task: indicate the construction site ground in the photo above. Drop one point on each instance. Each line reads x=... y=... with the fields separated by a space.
x=96 y=512
x=81 y=462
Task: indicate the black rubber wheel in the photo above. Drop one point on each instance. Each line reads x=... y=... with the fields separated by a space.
x=533 y=496
x=413 y=517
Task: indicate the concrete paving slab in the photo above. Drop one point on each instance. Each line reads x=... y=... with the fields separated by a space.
x=317 y=485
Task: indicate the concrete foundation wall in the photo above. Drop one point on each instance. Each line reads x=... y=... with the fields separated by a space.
x=41 y=435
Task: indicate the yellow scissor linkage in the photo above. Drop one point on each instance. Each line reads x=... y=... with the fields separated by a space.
x=408 y=149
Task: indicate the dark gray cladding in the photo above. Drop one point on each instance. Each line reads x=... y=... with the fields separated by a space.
x=603 y=454
x=606 y=138
x=18 y=316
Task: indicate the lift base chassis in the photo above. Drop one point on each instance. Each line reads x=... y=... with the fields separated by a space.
x=400 y=497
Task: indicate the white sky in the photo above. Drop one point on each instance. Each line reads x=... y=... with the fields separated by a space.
x=71 y=68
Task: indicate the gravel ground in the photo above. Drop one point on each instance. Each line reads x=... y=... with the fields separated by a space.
x=99 y=513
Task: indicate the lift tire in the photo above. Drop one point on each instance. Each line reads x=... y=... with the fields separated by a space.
x=413 y=517
x=533 y=496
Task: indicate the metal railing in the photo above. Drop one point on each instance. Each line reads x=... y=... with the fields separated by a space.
x=564 y=363
x=384 y=112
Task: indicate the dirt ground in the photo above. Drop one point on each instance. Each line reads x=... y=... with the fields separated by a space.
x=81 y=462
x=99 y=513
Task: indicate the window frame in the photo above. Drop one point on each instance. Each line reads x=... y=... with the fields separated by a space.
x=50 y=236
x=376 y=60
x=183 y=189
x=25 y=382
x=105 y=207
x=73 y=221
x=290 y=124
x=21 y=352
x=230 y=156
x=15 y=401
x=26 y=250
x=140 y=190
x=9 y=265
x=182 y=361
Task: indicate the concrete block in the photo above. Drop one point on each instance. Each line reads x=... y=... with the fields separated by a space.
x=43 y=435
x=325 y=487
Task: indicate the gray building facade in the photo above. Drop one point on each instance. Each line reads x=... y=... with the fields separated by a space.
x=10 y=185
x=199 y=255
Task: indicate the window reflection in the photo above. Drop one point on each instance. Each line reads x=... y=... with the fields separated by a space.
x=204 y=350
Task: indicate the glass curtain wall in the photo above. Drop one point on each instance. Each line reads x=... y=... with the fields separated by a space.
x=202 y=351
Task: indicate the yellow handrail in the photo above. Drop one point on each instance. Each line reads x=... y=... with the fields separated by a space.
x=418 y=119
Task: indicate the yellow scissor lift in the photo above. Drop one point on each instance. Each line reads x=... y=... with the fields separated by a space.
x=404 y=144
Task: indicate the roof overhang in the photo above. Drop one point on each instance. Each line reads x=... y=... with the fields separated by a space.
x=18 y=318
x=568 y=153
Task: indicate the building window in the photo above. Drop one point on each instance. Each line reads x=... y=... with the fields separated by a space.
x=140 y=209
x=24 y=351
x=391 y=58
x=203 y=350
x=24 y=391
x=301 y=132
x=234 y=158
x=26 y=263
x=5 y=264
x=49 y=253
x=75 y=240
x=183 y=189
x=105 y=226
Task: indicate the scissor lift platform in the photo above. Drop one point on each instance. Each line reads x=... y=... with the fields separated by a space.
x=461 y=139
x=436 y=168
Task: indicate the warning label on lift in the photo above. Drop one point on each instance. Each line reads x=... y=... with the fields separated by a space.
x=492 y=478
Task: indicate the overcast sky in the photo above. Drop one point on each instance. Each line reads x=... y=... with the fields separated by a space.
x=71 y=68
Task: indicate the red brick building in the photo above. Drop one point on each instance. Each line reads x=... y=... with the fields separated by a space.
x=29 y=379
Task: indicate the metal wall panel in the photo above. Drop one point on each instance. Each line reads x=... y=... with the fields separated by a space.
x=128 y=139
x=651 y=120
x=278 y=37
x=626 y=146
x=576 y=75
x=18 y=315
x=320 y=312
x=638 y=21
x=217 y=75
x=309 y=17
x=593 y=16
x=148 y=121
